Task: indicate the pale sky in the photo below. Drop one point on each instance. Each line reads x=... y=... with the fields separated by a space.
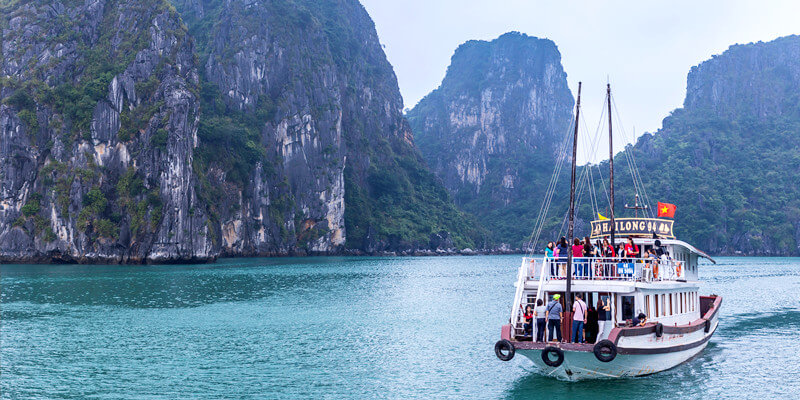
x=645 y=48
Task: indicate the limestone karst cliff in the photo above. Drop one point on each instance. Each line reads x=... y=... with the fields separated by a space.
x=157 y=131
x=492 y=129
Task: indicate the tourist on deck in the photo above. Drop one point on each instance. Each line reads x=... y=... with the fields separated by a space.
x=553 y=314
x=608 y=249
x=554 y=264
x=659 y=251
x=639 y=320
x=549 y=250
x=603 y=317
x=621 y=250
x=598 y=248
x=527 y=327
x=631 y=253
x=597 y=262
x=577 y=257
x=563 y=249
x=540 y=312
x=608 y=253
x=620 y=269
x=631 y=249
x=650 y=264
x=578 y=319
x=588 y=253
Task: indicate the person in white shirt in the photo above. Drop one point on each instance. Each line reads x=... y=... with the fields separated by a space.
x=578 y=319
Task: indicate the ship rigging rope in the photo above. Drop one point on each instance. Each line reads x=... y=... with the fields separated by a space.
x=589 y=153
x=579 y=182
x=548 y=198
x=632 y=163
x=586 y=177
x=597 y=133
x=560 y=160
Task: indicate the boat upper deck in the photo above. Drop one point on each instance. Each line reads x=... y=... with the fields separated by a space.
x=614 y=269
x=678 y=263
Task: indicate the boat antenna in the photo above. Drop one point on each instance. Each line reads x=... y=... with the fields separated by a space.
x=611 y=164
x=571 y=226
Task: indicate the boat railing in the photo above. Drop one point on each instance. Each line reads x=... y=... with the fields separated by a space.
x=522 y=276
x=604 y=268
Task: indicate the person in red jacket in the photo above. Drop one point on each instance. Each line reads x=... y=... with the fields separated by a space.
x=631 y=250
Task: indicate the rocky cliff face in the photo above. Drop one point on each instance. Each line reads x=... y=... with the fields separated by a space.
x=492 y=129
x=138 y=132
x=271 y=148
x=755 y=80
x=99 y=119
x=338 y=157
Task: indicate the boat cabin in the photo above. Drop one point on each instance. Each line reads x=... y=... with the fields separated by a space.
x=664 y=288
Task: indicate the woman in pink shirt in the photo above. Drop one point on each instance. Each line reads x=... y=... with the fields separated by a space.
x=577 y=258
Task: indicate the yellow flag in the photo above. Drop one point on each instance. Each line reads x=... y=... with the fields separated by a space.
x=601 y=217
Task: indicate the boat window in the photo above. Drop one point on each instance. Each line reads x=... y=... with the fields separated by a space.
x=670 y=305
x=683 y=303
x=627 y=307
x=655 y=301
x=686 y=302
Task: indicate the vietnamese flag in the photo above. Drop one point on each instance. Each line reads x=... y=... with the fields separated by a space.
x=666 y=210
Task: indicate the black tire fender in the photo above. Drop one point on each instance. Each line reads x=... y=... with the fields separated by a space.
x=605 y=350
x=504 y=350
x=707 y=328
x=546 y=356
x=659 y=329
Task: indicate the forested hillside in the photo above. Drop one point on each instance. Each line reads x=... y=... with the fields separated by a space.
x=730 y=158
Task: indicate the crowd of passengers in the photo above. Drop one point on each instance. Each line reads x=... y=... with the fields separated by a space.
x=585 y=256
x=587 y=321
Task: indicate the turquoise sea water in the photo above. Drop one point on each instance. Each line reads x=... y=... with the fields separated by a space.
x=410 y=328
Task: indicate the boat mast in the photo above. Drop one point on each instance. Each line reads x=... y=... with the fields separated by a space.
x=570 y=231
x=611 y=164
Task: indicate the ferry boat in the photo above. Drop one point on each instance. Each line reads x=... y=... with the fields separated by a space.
x=679 y=320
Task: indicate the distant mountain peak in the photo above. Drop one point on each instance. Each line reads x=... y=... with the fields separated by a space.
x=493 y=125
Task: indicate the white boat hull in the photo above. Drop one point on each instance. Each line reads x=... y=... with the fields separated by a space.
x=579 y=365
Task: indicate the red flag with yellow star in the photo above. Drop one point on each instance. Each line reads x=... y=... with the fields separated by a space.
x=666 y=210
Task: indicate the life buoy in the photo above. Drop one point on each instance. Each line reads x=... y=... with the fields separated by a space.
x=659 y=329
x=605 y=350
x=504 y=350
x=679 y=268
x=546 y=356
